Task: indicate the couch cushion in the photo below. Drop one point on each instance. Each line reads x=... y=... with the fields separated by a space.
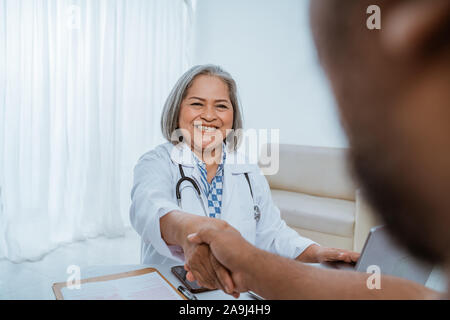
x=316 y=171
x=326 y=215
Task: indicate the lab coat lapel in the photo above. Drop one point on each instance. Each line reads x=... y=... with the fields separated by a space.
x=196 y=175
x=182 y=154
x=195 y=206
x=229 y=182
x=233 y=170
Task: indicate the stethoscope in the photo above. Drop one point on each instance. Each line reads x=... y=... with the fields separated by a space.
x=256 y=210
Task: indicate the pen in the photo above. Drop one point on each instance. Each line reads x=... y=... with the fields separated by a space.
x=186 y=293
x=255 y=296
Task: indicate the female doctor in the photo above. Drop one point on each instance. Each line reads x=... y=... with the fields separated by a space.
x=191 y=181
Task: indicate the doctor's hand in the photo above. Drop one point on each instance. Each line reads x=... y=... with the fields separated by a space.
x=318 y=254
x=204 y=268
x=201 y=264
x=231 y=250
x=175 y=227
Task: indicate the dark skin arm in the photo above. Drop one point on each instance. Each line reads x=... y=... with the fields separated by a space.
x=259 y=271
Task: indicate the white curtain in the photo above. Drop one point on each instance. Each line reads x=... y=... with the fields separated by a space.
x=82 y=85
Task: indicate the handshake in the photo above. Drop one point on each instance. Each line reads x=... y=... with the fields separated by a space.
x=218 y=257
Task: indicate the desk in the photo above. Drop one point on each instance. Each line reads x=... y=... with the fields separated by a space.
x=164 y=269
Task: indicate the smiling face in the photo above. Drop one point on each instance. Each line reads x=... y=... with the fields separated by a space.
x=206 y=113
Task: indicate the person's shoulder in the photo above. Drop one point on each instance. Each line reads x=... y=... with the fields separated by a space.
x=161 y=152
x=241 y=162
x=254 y=169
x=154 y=164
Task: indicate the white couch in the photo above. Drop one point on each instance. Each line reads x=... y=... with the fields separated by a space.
x=318 y=198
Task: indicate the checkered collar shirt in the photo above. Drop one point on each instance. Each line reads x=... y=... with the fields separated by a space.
x=213 y=191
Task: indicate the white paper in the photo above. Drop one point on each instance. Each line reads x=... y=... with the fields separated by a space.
x=149 y=286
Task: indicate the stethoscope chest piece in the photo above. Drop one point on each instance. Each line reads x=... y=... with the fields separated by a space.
x=257 y=213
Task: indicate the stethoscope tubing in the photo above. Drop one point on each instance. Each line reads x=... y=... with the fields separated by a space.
x=194 y=184
x=257 y=212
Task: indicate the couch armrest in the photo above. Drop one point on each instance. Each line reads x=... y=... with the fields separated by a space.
x=365 y=219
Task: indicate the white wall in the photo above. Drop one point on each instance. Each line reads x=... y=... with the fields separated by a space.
x=266 y=45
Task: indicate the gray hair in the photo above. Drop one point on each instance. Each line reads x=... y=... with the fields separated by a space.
x=171 y=111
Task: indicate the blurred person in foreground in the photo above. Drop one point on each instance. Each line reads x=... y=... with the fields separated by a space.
x=392 y=87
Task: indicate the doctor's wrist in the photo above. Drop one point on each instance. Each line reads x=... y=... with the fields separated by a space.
x=191 y=223
x=310 y=254
x=175 y=226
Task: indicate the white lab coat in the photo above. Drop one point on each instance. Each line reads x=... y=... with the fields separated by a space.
x=153 y=195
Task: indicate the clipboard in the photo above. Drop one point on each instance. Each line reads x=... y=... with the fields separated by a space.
x=59 y=285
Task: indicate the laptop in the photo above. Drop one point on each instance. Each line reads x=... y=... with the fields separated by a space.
x=380 y=250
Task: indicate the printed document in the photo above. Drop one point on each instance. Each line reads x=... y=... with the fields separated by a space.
x=149 y=286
